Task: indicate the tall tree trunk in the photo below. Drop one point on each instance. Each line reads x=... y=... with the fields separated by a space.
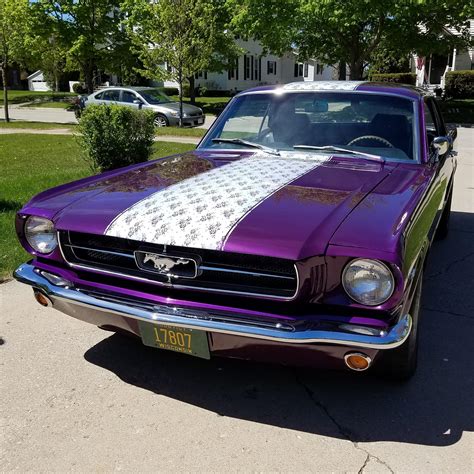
x=342 y=71
x=89 y=78
x=5 y=93
x=180 y=82
x=357 y=69
x=192 y=91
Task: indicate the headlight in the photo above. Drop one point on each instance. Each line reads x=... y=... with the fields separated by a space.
x=40 y=234
x=368 y=282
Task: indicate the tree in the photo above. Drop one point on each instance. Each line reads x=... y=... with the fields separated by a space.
x=14 y=27
x=352 y=31
x=177 y=38
x=89 y=30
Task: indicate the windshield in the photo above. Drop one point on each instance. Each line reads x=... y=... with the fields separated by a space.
x=154 y=96
x=375 y=124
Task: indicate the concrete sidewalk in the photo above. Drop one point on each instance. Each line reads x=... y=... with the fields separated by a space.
x=77 y=399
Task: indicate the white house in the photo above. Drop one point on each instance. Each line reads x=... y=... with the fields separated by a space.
x=253 y=69
x=36 y=82
x=431 y=70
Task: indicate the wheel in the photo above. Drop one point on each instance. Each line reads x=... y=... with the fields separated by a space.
x=443 y=227
x=160 y=121
x=400 y=363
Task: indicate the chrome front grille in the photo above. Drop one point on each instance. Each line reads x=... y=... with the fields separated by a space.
x=220 y=272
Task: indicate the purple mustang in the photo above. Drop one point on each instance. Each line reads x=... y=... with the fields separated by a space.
x=296 y=232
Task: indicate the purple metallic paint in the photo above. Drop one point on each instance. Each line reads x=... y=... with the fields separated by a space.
x=341 y=210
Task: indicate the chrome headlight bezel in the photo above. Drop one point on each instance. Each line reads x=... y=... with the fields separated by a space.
x=377 y=268
x=40 y=234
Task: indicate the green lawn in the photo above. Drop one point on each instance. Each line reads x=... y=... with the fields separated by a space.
x=180 y=132
x=50 y=104
x=20 y=97
x=33 y=163
x=209 y=105
x=35 y=125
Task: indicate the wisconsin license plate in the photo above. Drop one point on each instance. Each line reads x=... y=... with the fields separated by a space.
x=172 y=338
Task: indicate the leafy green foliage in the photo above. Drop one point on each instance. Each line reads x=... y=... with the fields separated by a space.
x=87 y=31
x=460 y=85
x=112 y=136
x=353 y=31
x=186 y=35
x=14 y=27
x=399 y=78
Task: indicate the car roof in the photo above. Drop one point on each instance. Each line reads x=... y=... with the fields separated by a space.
x=131 y=88
x=344 y=86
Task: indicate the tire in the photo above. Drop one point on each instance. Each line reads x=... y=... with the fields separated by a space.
x=400 y=364
x=443 y=227
x=160 y=121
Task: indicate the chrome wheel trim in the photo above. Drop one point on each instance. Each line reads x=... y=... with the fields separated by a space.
x=160 y=121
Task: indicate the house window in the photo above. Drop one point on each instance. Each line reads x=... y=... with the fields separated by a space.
x=246 y=67
x=319 y=69
x=305 y=69
x=271 y=67
x=298 y=69
x=200 y=75
x=258 y=67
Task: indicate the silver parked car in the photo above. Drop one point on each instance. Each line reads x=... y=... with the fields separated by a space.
x=165 y=109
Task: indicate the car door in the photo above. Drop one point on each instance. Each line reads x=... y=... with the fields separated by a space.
x=128 y=98
x=111 y=96
x=442 y=166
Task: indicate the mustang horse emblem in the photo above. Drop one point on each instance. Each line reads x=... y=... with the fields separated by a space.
x=164 y=264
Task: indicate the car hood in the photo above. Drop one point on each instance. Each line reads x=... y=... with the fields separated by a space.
x=238 y=202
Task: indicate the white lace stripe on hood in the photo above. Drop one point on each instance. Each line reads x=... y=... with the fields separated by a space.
x=200 y=211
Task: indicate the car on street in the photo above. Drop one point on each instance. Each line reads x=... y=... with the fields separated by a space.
x=166 y=110
x=296 y=233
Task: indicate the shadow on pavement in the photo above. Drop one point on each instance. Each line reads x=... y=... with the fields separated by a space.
x=434 y=408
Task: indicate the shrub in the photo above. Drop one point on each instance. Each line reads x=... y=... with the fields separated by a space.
x=79 y=88
x=170 y=90
x=113 y=136
x=459 y=84
x=215 y=93
x=186 y=90
x=398 y=78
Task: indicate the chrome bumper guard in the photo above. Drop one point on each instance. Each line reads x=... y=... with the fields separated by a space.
x=344 y=334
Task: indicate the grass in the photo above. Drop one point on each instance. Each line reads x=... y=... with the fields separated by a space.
x=209 y=105
x=180 y=132
x=165 y=131
x=35 y=125
x=20 y=97
x=458 y=110
x=50 y=105
x=33 y=163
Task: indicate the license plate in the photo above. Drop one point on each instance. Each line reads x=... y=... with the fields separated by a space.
x=187 y=341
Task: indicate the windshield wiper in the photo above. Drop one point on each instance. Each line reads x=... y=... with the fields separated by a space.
x=369 y=156
x=239 y=141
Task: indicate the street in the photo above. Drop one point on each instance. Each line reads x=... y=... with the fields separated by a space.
x=76 y=398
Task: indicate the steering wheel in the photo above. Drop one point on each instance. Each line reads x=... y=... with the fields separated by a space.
x=371 y=137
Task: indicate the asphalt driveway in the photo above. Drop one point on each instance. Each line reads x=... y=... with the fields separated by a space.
x=74 y=398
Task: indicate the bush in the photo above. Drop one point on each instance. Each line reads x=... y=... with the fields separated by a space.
x=113 y=136
x=215 y=93
x=459 y=84
x=398 y=78
x=79 y=88
x=186 y=90
x=170 y=90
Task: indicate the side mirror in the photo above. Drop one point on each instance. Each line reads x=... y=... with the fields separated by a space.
x=441 y=145
x=138 y=102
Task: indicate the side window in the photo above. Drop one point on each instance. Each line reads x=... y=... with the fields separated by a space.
x=128 y=97
x=430 y=124
x=438 y=117
x=112 y=95
x=99 y=96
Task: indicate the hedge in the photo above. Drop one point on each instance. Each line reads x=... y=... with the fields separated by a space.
x=399 y=77
x=459 y=84
x=112 y=136
x=170 y=90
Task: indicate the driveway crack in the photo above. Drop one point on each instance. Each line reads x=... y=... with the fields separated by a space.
x=448 y=267
x=343 y=431
x=451 y=313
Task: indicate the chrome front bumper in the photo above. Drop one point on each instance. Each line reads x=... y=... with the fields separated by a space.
x=95 y=307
